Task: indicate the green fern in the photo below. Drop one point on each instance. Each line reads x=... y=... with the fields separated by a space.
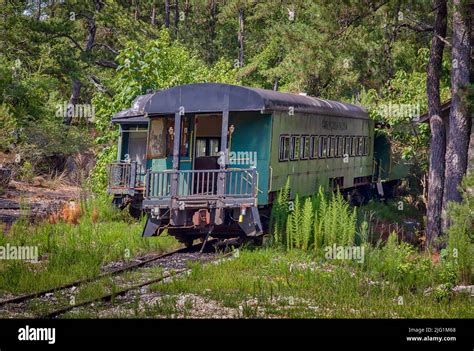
x=307 y=223
x=279 y=214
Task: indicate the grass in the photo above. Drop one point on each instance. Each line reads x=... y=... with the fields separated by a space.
x=292 y=278
x=69 y=252
x=274 y=283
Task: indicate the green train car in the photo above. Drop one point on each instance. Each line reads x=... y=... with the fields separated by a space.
x=208 y=159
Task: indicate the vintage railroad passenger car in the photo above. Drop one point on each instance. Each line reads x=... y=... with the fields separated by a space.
x=208 y=159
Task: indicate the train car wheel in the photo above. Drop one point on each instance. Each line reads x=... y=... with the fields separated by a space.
x=258 y=240
x=134 y=211
x=187 y=241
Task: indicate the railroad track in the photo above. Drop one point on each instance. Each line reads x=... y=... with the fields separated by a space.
x=115 y=272
x=110 y=296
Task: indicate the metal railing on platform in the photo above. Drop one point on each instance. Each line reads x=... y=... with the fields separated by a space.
x=201 y=184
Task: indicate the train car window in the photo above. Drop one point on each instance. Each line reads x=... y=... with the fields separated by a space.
x=322 y=146
x=305 y=147
x=284 y=148
x=340 y=146
x=157 y=138
x=201 y=147
x=169 y=137
x=354 y=146
x=331 y=146
x=347 y=146
x=184 y=148
x=214 y=147
x=207 y=147
x=367 y=145
x=314 y=147
x=361 y=146
x=295 y=147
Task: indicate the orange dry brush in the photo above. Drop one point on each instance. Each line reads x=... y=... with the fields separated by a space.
x=53 y=218
x=95 y=215
x=435 y=257
x=71 y=212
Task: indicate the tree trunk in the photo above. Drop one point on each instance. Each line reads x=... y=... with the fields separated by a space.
x=153 y=14
x=52 y=7
x=470 y=154
x=241 y=37
x=437 y=126
x=211 y=50
x=176 y=18
x=187 y=8
x=390 y=38
x=38 y=10
x=73 y=100
x=76 y=83
x=137 y=10
x=167 y=13
x=459 y=120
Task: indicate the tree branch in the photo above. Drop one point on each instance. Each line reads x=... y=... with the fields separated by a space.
x=98 y=84
x=106 y=46
x=106 y=63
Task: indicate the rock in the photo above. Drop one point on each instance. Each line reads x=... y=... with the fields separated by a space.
x=5 y=176
x=465 y=288
x=39 y=181
x=9 y=205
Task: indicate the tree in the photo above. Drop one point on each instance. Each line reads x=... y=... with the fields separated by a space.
x=167 y=13
x=241 y=37
x=158 y=64
x=459 y=119
x=437 y=125
x=90 y=40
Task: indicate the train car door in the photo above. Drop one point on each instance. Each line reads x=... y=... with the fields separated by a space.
x=207 y=141
x=136 y=151
x=206 y=152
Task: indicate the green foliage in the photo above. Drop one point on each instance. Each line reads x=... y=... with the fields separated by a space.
x=292 y=285
x=337 y=223
x=461 y=231
x=393 y=210
x=398 y=102
x=398 y=261
x=314 y=222
x=68 y=252
x=97 y=181
x=306 y=227
x=27 y=172
x=279 y=215
x=7 y=127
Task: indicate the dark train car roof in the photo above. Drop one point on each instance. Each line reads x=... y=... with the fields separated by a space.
x=134 y=114
x=216 y=97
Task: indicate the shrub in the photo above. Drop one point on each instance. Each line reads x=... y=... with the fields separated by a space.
x=461 y=231
x=7 y=127
x=398 y=262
